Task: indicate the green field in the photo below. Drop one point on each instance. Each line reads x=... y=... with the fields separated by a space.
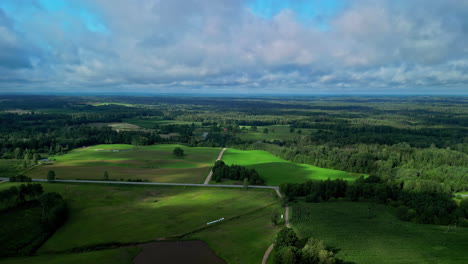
x=10 y=167
x=118 y=126
x=121 y=213
x=102 y=214
x=368 y=233
x=243 y=240
x=276 y=132
x=275 y=170
x=110 y=256
x=151 y=121
x=154 y=163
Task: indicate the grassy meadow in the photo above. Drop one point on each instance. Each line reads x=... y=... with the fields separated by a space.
x=276 y=132
x=101 y=214
x=369 y=233
x=150 y=122
x=118 y=126
x=275 y=170
x=242 y=240
x=154 y=163
x=10 y=167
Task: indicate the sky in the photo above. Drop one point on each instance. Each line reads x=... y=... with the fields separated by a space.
x=234 y=46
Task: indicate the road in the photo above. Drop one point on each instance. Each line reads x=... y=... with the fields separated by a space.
x=286 y=221
x=157 y=183
x=220 y=156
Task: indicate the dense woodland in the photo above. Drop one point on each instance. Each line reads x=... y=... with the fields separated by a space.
x=418 y=145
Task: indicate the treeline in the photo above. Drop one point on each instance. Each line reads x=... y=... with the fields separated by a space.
x=57 y=140
x=235 y=172
x=289 y=249
x=421 y=169
x=418 y=207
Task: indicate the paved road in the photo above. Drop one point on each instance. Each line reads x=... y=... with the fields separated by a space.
x=220 y=156
x=157 y=183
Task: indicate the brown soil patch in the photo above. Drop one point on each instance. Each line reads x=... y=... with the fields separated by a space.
x=194 y=252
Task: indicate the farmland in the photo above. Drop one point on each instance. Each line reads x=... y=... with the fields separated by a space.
x=114 y=214
x=114 y=256
x=127 y=214
x=369 y=233
x=275 y=170
x=154 y=163
x=10 y=167
x=275 y=132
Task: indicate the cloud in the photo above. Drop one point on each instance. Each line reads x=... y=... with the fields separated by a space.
x=146 y=46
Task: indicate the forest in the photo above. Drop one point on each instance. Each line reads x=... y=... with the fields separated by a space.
x=405 y=154
x=419 y=141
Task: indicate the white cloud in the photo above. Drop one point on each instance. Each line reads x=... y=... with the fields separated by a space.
x=191 y=44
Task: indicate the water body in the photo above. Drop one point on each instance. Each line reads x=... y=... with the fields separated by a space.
x=194 y=252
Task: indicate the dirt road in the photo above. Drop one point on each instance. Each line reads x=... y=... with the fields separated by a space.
x=208 y=178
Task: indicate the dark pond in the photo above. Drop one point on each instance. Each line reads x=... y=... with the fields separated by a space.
x=193 y=252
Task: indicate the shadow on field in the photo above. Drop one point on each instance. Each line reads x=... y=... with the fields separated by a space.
x=195 y=252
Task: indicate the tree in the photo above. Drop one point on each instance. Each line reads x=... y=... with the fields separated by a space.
x=246 y=183
x=265 y=130
x=34 y=160
x=106 y=176
x=51 y=175
x=286 y=238
x=178 y=152
x=286 y=255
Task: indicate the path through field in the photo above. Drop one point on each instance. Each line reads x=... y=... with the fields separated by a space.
x=220 y=156
x=286 y=221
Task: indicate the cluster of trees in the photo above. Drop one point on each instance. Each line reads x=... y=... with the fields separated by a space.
x=315 y=191
x=14 y=195
x=235 y=172
x=20 y=178
x=291 y=250
x=54 y=209
x=426 y=169
x=418 y=207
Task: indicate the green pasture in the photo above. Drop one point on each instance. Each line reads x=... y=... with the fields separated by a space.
x=242 y=240
x=369 y=233
x=275 y=170
x=119 y=126
x=124 y=255
x=154 y=163
x=151 y=121
x=101 y=214
x=10 y=167
x=276 y=132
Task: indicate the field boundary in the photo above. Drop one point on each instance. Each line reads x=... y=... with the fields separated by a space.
x=156 y=183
